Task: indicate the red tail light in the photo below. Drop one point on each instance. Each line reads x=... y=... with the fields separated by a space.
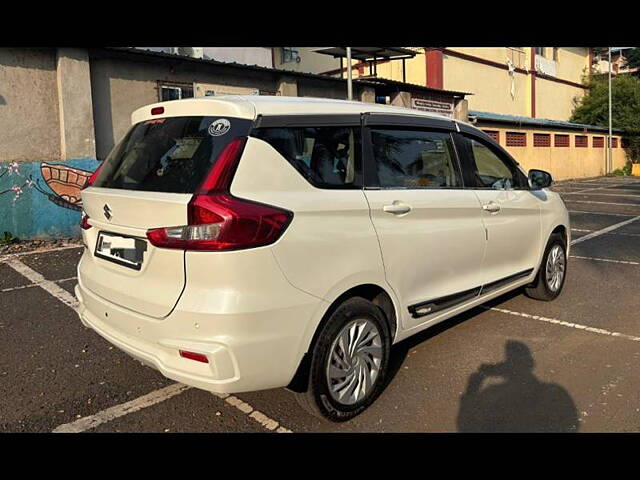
x=217 y=220
x=93 y=176
x=84 y=222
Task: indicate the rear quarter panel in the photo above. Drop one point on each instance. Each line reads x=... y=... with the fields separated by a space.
x=331 y=244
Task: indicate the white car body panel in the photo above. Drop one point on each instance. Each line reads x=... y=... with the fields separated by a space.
x=434 y=250
x=513 y=232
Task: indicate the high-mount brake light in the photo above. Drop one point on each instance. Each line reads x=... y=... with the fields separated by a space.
x=92 y=178
x=84 y=222
x=157 y=110
x=218 y=221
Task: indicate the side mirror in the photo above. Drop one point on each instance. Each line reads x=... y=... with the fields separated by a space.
x=539 y=179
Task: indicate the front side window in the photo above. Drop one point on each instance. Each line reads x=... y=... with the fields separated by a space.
x=328 y=157
x=414 y=159
x=490 y=170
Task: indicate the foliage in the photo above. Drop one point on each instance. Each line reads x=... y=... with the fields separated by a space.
x=633 y=59
x=593 y=108
x=7 y=238
x=626 y=170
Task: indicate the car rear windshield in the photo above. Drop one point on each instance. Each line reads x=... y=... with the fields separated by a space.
x=170 y=155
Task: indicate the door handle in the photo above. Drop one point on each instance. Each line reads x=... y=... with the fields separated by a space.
x=491 y=207
x=397 y=208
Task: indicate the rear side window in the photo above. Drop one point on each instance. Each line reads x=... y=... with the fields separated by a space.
x=414 y=159
x=328 y=157
x=170 y=155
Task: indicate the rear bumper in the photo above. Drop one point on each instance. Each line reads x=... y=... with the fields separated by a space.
x=247 y=351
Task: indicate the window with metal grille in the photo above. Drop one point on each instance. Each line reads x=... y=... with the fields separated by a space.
x=560 y=140
x=598 y=142
x=614 y=142
x=541 y=140
x=495 y=134
x=174 y=91
x=516 y=139
x=582 y=141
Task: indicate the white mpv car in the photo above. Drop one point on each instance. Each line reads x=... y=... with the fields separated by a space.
x=246 y=243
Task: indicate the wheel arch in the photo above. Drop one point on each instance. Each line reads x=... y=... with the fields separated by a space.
x=562 y=230
x=370 y=291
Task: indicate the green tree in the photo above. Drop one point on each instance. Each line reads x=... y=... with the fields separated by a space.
x=593 y=107
x=633 y=58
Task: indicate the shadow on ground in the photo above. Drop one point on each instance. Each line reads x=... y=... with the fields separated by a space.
x=520 y=402
x=501 y=397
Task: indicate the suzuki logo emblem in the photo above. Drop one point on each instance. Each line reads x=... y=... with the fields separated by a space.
x=107 y=211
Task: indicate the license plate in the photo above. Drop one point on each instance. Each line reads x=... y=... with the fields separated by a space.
x=125 y=251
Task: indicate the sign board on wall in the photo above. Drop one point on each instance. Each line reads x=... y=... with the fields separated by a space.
x=210 y=89
x=435 y=106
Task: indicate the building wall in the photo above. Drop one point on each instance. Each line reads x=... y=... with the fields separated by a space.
x=310 y=61
x=120 y=85
x=573 y=63
x=562 y=162
x=29 y=119
x=553 y=99
x=519 y=56
x=491 y=86
x=483 y=72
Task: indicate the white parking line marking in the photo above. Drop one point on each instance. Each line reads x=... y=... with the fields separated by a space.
x=622 y=190
x=9 y=256
x=610 y=260
x=601 y=331
x=597 y=233
x=256 y=415
x=92 y=421
x=601 y=194
x=602 y=213
x=11 y=289
x=613 y=233
x=602 y=203
x=47 y=285
x=625 y=234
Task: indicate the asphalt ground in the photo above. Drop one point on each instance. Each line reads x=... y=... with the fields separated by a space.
x=514 y=364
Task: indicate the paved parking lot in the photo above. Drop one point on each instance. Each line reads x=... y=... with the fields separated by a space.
x=515 y=364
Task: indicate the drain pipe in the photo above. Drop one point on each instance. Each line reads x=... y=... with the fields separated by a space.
x=349 y=77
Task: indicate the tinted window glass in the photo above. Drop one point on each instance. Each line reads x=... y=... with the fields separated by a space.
x=328 y=157
x=414 y=159
x=168 y=154
x=490 y=170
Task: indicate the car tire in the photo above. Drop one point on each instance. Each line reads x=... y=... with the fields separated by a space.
x=546 y=287
x=343 y=385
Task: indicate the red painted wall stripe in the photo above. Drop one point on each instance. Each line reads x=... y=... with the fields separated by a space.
x=435 y=70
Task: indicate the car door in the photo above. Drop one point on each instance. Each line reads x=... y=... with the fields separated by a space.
x=510 y=211
x=429 y=226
